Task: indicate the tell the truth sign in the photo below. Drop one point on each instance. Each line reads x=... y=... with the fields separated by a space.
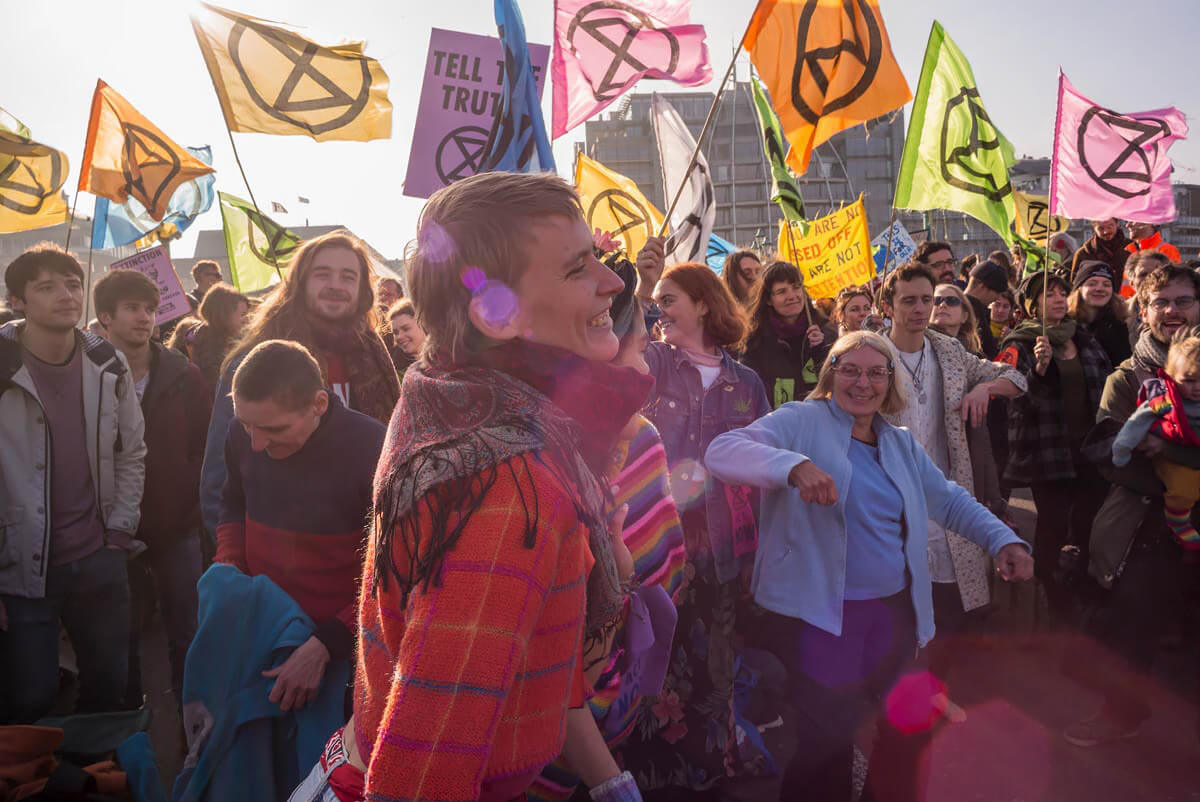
x=463 y=77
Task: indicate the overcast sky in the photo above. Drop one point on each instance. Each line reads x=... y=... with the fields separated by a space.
x=1129 y=57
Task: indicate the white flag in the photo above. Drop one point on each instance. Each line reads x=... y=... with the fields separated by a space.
x=694 y=215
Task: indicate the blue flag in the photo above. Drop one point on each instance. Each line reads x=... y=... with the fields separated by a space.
x=718 y=249
x=517 y=142
x=116 y=224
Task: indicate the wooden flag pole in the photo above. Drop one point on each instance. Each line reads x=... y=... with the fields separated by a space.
x=708 y=121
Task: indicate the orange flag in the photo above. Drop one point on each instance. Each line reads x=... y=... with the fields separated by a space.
x=828 y=65
x=127 y=156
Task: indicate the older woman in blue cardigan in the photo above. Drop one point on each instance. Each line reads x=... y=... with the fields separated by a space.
x=842 y=565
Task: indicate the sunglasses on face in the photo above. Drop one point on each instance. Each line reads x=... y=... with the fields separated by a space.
x=949 y=300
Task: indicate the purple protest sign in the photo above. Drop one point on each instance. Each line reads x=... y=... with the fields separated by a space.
x=156 y=264
x=463 y=76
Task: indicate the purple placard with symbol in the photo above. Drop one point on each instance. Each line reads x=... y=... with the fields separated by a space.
x=156 y=264
x=463 y=77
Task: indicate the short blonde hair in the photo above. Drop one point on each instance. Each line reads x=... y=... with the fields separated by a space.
x=1183 y=356
x=475 y=231
x=896 y=399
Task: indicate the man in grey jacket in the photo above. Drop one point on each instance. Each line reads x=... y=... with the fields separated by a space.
x=71 y=474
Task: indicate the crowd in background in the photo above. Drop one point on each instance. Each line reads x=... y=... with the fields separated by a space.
x=553 y=519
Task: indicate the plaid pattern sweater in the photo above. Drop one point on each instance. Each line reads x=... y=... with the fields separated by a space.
x=462 y=693
x=1039 y=441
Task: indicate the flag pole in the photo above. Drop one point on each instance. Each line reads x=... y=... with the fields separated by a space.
x=708 y=121
x=238 y=159
x=71 y=220
x=246 y=181
x=887 y=254
x=87 y=290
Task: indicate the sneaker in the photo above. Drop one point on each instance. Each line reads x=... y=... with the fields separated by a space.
x=1099 y=729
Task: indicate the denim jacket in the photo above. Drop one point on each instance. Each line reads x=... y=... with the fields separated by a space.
x=688 y=417
x=800 y=567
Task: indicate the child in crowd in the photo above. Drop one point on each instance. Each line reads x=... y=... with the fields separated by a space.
x=1169 y=406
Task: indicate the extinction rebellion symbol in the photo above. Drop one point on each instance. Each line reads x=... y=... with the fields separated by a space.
x=961 y=166
x=631 y=51
x=301 y=54
x=279 y=247
x=1121 y=177
x=148 y=156
x=21 y=186
x=626 y=213
x=815 y=60
x=460 y=152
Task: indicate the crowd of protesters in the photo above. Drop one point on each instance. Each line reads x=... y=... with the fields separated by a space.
x=550 y=518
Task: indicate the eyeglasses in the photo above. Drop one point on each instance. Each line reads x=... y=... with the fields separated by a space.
x=1181 y=303
x=853 y=372
x=948 y=300
x=942 y=262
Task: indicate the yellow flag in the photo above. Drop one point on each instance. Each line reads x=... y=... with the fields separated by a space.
x=1034 y=220
x=614 y=204
x=828 y=65
x=31 y=175
x=127 y=156
x=835 y=253
x=271 y=80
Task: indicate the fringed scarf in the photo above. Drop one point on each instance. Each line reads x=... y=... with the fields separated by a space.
x=456 y=428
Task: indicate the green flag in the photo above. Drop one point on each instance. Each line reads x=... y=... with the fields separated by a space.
x=259 y=248
x=783 y=187
x=954 y=157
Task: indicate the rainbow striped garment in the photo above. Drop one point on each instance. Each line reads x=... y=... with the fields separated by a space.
x=655 y=539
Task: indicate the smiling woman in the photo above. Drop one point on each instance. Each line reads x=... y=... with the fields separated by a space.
x=788 y=337
x=842 y=567
x=491 y=531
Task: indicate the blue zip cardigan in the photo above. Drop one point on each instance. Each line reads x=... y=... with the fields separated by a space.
x=800 y=567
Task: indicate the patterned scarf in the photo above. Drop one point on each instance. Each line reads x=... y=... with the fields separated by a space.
x=374 y=382
x=457 y=427
x=1149 y=355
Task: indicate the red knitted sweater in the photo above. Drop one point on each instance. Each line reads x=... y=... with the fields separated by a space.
x=463 y=693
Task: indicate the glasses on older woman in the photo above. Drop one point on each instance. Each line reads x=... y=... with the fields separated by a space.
x=852 y=373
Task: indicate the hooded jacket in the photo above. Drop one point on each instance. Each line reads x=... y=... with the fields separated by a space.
x=115 y=449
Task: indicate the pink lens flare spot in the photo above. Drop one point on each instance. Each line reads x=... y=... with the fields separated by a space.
x=909 y=705
x=473 y=278
x=435 y=243
x=498 y=303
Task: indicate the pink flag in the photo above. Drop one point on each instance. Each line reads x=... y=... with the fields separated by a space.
x=1107 y=164
x=603 y=47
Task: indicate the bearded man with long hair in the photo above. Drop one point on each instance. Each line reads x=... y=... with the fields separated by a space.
x=325 y=303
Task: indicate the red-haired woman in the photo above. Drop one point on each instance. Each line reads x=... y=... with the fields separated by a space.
x=700 y=392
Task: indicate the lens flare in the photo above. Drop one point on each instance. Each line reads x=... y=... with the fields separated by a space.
x=435 y=243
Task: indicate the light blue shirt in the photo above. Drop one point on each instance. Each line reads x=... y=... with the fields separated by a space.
x=874 y=529
x=800 y=566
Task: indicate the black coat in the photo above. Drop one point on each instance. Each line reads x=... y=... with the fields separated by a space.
x=788 y=367
x=1113 y=336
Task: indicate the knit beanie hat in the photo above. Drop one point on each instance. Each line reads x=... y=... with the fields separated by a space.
x=991 y=275
x=1092 y=268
